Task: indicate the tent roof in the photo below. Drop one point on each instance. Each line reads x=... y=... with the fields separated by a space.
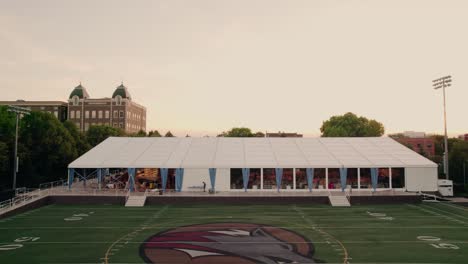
x=151 y=152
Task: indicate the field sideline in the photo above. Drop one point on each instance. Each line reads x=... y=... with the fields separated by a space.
x=406 y=233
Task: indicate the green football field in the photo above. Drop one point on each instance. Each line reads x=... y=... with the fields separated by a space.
x=204 y=233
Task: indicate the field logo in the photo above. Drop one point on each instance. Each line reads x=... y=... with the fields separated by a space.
x=239 y=243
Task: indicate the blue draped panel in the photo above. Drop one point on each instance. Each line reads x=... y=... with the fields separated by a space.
x=179 y=179
x=343 y=177
x=131 y=179
x=164 y=172
x=310 y=178
x=374 y=177
x=71 y=177
x=212 y=172
x=279 y=176
x=245 y=177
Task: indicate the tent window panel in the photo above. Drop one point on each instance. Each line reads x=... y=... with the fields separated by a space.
x=236 y=179
x=269 y=179
x=254 y=179
x=301 y=179
x=398 y=177
x=366 y=182
x=319 y=179
x=383 y=179
x=352 y=178
x=287 y=179
x=334 y=181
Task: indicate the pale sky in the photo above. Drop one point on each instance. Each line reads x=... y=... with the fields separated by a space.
x=201 y=67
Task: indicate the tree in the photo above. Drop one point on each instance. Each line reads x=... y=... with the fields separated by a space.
x=80 y=143
x=169 y=134
x=238 y=132
x=154 y=133
x=97 y=134
x=7 y=137
x=45 y=149
x=350 y=125
x=140 y=133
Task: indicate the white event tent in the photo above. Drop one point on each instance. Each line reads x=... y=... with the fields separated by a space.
x=196 y=160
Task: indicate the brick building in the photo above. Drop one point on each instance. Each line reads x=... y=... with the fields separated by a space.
x=463 y=137
x=57 y=108
x=119 y=111
x=418 y=142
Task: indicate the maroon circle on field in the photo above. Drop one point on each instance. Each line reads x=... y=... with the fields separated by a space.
x=177 y=244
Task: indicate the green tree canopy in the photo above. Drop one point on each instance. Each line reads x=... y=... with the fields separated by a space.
x=97 y=134
x=350 y=125
x=45 y=149
x=154 y=133
x=169 y=134
x=7 y=136
x=140 y=133
x=80 y=143
x=238 y=132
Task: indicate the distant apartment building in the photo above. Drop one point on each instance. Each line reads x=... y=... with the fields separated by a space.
x=463 y=137
x=418 y=142
x=119 y=111
x=283 y=134
x=57 y=108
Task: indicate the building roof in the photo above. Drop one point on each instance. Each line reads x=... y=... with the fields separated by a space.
x=34 y=103
x=127 y=152
x=122 y=91
x=79 y=91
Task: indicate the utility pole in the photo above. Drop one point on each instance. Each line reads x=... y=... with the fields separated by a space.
x=18 y=111
x=442 y=83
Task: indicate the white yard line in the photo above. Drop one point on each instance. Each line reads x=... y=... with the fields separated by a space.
x=128 y=237
x=446 y=212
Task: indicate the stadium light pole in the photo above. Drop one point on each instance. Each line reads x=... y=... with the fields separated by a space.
x=18 y=111
x=437 y=84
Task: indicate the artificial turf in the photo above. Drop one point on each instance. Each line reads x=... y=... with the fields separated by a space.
x=424 y=233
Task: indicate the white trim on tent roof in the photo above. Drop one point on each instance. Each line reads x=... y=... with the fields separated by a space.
x=151 y=152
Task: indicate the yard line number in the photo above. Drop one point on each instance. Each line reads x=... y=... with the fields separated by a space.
x=18 y=240
x=380 y=216
x=437 y=245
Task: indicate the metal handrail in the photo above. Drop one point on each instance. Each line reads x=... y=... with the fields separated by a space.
x=53 y=184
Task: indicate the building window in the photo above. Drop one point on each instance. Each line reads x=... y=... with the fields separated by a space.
x=100 y=114
x=118 y=100
x=93 y=114
x=77 y=125
x=115 y=124
x=86 y=126
x=107 y=114
x=121 y=114
x=87 y=114
x=56 y=114
x=76 y=100
x=116 y=113
x=78 y=114
x=72 y=114
x=121 y=125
